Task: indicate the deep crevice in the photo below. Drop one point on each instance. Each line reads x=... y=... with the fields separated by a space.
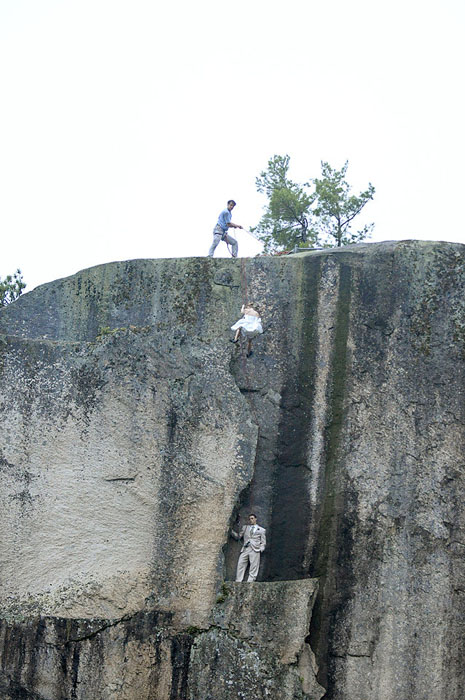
x=291 y=508
x=278 y=491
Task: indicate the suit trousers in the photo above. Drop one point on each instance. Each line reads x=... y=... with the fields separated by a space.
x=248 y=556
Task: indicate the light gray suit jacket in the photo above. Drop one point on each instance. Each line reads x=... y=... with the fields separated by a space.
x=257 y=540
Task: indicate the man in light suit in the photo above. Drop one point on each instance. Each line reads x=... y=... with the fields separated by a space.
x=254 y=539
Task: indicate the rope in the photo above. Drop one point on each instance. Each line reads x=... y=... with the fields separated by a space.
x=254 y=235
x=250 y=401
x=244 y=282
x=227 y=246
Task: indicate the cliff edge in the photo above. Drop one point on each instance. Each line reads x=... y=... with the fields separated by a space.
x=133 y=435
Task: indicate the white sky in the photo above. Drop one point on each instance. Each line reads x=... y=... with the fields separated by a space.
x=125 y=125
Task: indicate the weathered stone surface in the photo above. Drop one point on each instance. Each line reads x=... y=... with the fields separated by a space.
x=132 y=434
x=138 y=657
x=258 y=648
x=275 y=615
x=122 y=456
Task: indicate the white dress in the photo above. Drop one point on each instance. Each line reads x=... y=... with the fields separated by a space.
x=250 y=325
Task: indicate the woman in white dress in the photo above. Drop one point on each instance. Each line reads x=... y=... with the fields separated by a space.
x=250 y=325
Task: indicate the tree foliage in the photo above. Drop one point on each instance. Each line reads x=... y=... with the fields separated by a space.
x=286 y=220
x=320 y=212
x=336 y=208
x=11 y=288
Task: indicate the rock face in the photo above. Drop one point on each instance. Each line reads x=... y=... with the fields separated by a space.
x=257 y=647
x=133 y=435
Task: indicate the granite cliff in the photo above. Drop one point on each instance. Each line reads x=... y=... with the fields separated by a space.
x=133 y=435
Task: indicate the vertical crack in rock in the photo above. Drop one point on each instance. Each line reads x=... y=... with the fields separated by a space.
x=280 y=403
x=252 y=384
x=291 y=512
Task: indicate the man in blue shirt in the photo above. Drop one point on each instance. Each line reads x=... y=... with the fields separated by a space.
x=220 y=232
